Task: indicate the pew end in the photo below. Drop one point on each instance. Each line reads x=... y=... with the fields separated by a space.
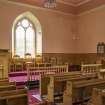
x=98 y=97
x=81 y=91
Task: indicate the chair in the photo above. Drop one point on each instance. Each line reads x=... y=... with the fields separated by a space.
x=29 y=61
x=18 y=63
x=28 y=56
x=38 y=59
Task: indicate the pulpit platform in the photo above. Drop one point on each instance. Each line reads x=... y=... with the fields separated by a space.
x=20 y=77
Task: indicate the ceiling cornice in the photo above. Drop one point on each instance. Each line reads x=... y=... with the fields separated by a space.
x=73 y=4
x=64 y=6
x=89 y=6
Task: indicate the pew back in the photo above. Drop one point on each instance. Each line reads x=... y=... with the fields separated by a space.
x=5 y=83
x=4 y=86
x=14 y=97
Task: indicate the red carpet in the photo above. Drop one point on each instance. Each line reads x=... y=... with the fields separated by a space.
x=32 y=99
x=21 y=78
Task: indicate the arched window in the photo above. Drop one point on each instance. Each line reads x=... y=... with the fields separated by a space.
x=27 y=36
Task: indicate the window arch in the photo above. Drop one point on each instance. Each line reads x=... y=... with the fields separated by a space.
x=26 y=36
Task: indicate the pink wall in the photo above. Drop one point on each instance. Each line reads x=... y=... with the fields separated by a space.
x=91 y=30
x=62 y=33
x=56 y=27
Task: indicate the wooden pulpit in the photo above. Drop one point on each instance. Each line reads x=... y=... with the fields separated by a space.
x=4 y=61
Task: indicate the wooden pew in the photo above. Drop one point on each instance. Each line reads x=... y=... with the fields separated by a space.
x=4 y=86
x=45 y=79
x=80 y=91
x=57 y=83
x=14 y=97
x=85 y=70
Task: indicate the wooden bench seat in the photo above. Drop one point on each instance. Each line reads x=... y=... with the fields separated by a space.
x=6 y=86
x=78 y=91
x=14 y=97
x=45 y=79
x=58 y=83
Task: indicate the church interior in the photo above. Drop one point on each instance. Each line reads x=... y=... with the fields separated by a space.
x=52 y=52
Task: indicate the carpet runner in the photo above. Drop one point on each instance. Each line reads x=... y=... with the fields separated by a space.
x=21 y=78
x=33 y=96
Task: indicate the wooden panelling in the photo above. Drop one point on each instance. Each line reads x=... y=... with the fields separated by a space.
x=72 y=58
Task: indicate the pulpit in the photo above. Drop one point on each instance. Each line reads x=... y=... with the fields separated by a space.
x=4 y=60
